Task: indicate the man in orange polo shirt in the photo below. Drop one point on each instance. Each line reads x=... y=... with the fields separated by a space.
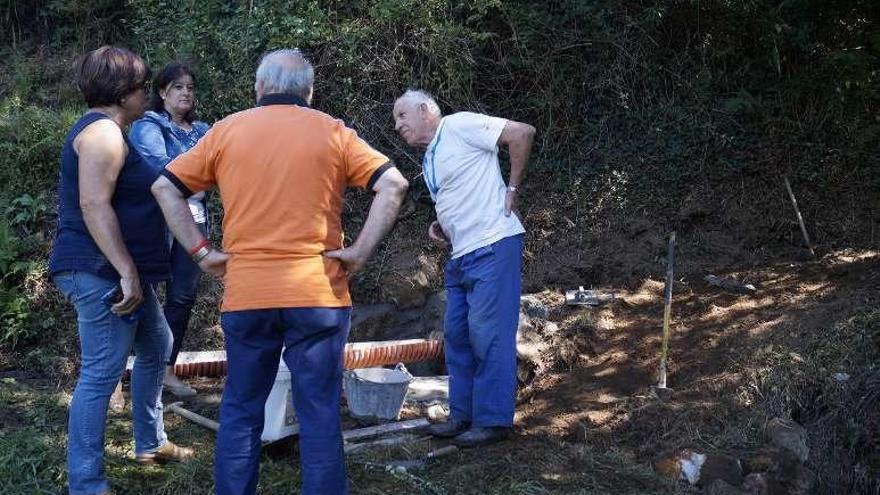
x=282 y=169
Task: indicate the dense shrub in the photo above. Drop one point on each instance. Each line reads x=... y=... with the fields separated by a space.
x=689 y=112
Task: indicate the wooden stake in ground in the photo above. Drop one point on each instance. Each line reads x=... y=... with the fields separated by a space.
x=800 y=218
x=667 y=311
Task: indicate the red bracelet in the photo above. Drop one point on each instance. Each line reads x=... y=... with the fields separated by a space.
x=204 y=243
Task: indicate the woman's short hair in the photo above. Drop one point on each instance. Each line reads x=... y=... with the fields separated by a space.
x=108 y=74
x=172 y=71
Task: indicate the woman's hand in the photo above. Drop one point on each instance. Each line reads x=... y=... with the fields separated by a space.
x=132 y=295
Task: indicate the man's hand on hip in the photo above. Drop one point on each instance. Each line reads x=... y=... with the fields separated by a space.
x=214 y=263
x=435 y=232
x=351 y=257
x=511 y=200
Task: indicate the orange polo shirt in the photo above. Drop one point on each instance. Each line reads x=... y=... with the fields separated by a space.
x=281 y=169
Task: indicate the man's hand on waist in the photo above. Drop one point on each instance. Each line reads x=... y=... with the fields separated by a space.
x=214 y=262
x=436 y=234
x=352 y=258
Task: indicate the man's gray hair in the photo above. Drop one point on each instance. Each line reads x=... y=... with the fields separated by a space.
x=419 y=96
x=286 y=71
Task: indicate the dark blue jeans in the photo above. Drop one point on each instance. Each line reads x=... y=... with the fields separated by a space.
x=482 y=314
x=313 y=340
x=180 y=293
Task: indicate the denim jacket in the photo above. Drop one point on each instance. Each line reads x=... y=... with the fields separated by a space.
x=159 y=141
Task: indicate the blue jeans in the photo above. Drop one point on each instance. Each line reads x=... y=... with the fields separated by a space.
x=105 y=343
x=313 y=340
x=482 y=314
x=180 y=293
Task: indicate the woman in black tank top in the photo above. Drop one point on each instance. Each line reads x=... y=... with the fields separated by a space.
x=108 y=254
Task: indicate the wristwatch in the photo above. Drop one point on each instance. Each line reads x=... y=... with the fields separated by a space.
x=511 y=188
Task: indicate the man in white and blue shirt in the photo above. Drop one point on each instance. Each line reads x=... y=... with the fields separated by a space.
x=476 y=215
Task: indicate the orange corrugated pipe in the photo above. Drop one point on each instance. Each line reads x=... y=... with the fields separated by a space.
x=356 y=355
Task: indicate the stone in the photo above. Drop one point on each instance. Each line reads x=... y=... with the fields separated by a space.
x=721 y=467
x=371 y=322
x=776 y=471
x=433 y=313
x=721 y=487
x=117 y=399
x=756 y=484
x=684 y=464
x=789 y=435
x=668 y=466
x=691 y=464
x=550 y=328
x=530 y=344
x=532 y=307
x=409 y=280
x=840 y=377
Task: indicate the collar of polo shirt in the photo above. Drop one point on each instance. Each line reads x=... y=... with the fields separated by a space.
x=281 y=99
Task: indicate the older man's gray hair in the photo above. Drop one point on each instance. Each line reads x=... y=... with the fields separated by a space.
x=286 y=71
x=418 y=97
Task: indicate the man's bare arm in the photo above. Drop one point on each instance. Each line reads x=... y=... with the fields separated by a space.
x=518 y=138
x=181 y=223
x=390 y=190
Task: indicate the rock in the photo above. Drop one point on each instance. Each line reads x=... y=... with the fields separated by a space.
x=730 y=284
x=691 y=464
x=668 y=467
x=533 y=307
x=408 y=283
x=794 y=477
x=776 y=471
x=840 y=377
x=438 y=412
x=117 y=399
x=433 y=313
x=760 y=461
x=721 y=487
x=700 y=469
x=371 y=321
x=550 y=328
x=789 y=435
x=756 y=483
x=530 y=344
x=681 y=465
x=721 y=467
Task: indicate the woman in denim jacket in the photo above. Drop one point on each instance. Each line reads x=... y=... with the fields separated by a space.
x=167 y=130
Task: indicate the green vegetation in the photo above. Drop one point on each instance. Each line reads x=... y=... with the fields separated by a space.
x=652 y=116
x=689 y=110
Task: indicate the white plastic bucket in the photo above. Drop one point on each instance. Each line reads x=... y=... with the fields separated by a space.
x=280 y=420
x=376 y=392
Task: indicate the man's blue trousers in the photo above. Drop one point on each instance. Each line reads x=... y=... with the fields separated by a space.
x=313 y=340
x=482 y=314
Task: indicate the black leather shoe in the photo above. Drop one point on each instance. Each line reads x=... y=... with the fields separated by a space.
x=482 y=436
x=448 y=429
